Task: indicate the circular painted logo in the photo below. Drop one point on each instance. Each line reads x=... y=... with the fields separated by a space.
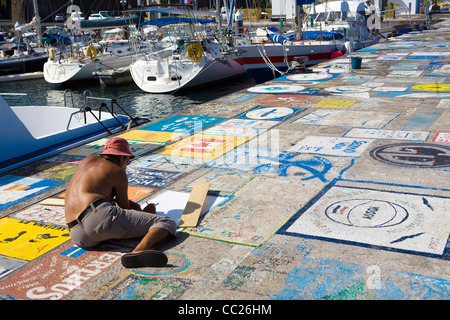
x=309 y=76
x=275 y=89
x=416 y=155
x=366 y=213
x=177 y=262
x=269 y=113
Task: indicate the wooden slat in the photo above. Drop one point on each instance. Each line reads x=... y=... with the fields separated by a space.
x=52 y=202
x=194 y=205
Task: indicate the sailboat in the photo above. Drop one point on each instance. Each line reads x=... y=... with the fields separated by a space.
x=271 y=58
x=190 y=55
x=23 y=57
x=82 y=58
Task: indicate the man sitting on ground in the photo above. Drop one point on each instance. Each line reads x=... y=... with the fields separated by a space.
x=97 y=208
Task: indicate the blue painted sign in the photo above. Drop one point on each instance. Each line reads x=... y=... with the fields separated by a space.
x=183 y=124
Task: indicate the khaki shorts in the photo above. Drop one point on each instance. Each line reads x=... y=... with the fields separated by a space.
x=105 y=221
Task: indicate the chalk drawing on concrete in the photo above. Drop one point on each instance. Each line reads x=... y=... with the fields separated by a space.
x=65 y=158
x=8 y=265
x=334 y=103
x=137 y=148
x=223 y=180
x=414 y=155
x=28 y=240
x=312 y=76
x=238 y=97
x=276 y=89
x=182 y=124
x=405 y=74
x=244 y=219
x=203 y=146
x=150 y=177
x=141 y=287
x=168 y=163
x=348 y=89
x=62 y=271
x=15 y=189
x=389 y=220
x=288 y=100
x=241 y=127
x=344 y=118
x=269 y=113
x=357 y=282
x=344 y=147
x=444 y=103
x=386 y=134
x=261 y=161
x=421 y=120
x=177 y=263
x=442 y=137
x=52 y=215
x=151 y=136
x=437 y=87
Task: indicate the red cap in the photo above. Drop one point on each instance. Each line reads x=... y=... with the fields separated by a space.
x=118 y=146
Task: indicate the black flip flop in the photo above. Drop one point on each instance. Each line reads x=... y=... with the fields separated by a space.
x=146 y=258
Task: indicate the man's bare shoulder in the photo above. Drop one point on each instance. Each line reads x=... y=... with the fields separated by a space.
x=98 y=164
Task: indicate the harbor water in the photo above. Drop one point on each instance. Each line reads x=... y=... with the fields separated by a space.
x=128 y=96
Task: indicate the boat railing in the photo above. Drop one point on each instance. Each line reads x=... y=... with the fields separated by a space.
x=17 y=95
x=89 y=105
x=112 y=109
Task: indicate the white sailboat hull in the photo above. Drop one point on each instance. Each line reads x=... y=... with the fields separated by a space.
x=58 y=72
x=162 y=76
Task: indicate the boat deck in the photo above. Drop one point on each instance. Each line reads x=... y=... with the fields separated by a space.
x=329 y=185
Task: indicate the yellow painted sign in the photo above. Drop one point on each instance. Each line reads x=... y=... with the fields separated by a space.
x=28 y=240
x=431 y=87
x=151 y=136
x=203 y=146
x=337 y=104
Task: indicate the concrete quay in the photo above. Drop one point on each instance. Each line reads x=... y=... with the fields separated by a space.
x=330 y=185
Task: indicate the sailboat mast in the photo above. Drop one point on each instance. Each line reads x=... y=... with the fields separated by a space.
x=38 y=20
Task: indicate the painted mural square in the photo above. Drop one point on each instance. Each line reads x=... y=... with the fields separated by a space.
x=151 y=136
x=15 y=189
x=313 y=76
x=289 y=100
x=238 y=97
x=144 y=177
x=168 y=163
x=390 y=220
x=28 y=240
x=8 y=264
x=262 y=161
x=203 y=146
x=61 y=272
x=269 y=113
x=387 y=134
x=138 y=148
x=349 y=281
x=183 y=124
x=344 y=118
x=52 y=215
x=442 y=137
x=334 y=146
x=335 y=104
x=241 y=127
x=245 y=219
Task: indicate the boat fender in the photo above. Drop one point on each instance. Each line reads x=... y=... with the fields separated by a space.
x=194 y=51
x=91 y=52
x=51 y=54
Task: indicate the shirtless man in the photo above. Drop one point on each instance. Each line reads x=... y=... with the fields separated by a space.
x=92 y=217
